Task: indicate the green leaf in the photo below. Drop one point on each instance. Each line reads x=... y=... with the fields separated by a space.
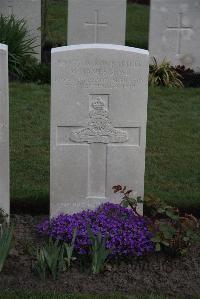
x=69 y=248
x=165 y=243
x=6 y=237
x=186 y=239
x=156 y=238
x=158 y=247
x=172 y=215
x=167 y=230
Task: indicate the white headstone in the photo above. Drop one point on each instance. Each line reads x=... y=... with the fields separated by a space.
x=98 y=124
x=96 y=21
x=175 y=32
x=30 y=11
x=4 y=131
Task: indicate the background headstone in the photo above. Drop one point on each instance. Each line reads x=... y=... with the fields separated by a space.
x=98 y=124
x=30 y=11
x=96 y=21
x=175 y=32
x=4 y=131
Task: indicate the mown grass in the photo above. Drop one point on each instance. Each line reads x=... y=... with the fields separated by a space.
x=136 y=28
x=57 y=22
x=173 y=143
x=29 y=143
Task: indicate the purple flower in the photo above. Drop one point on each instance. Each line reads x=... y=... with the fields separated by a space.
x=127 y=234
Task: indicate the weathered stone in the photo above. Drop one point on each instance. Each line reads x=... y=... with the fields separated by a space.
x=175 y=32
x=4 y=131
x=96 y=21
x=30 y=11
x=98 y=124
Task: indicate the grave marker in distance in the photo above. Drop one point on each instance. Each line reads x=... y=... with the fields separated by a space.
x=96 y=21
x=175 y=32
x=30 y=11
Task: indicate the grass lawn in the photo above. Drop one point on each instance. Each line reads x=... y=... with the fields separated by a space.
x=29 y=142
x=173 y=143
x=136 y=29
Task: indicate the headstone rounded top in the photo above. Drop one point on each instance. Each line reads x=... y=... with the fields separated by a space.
x=3 y=47
x=99 y=46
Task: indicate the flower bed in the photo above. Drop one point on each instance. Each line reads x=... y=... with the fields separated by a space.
x=155 y=273
x=126 y=233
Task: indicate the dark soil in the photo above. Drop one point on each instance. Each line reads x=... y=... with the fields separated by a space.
x=144 y=2
x=158 y=273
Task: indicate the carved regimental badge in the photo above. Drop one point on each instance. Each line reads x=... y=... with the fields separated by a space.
x=99 y=128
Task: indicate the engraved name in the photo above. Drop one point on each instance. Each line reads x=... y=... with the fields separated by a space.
x=100 y=73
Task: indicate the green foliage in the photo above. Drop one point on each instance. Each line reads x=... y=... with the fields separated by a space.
x=32 y=71
x=98 y=251
x=14 y=33
x=171 y=230
x=3 y=216
x=69 y=249
x=54 y=256
x=6 y=236
x=164 y=75
x=128 y=201
x=41 y=266
x=50 y=258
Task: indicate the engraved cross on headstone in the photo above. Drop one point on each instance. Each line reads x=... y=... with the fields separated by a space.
x=180 y=28
x=99 y=134
x=97 y=25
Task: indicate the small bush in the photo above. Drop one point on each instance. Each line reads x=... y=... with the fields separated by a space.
x=32 y=71
x=164 y=75
x=13 y=32
x=126 y=234
x=172 y=231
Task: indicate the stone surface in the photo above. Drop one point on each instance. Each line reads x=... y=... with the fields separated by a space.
x=175 y=32
x=4 y=131
x=98 y=124
x=29 y=10
x=96 y=21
